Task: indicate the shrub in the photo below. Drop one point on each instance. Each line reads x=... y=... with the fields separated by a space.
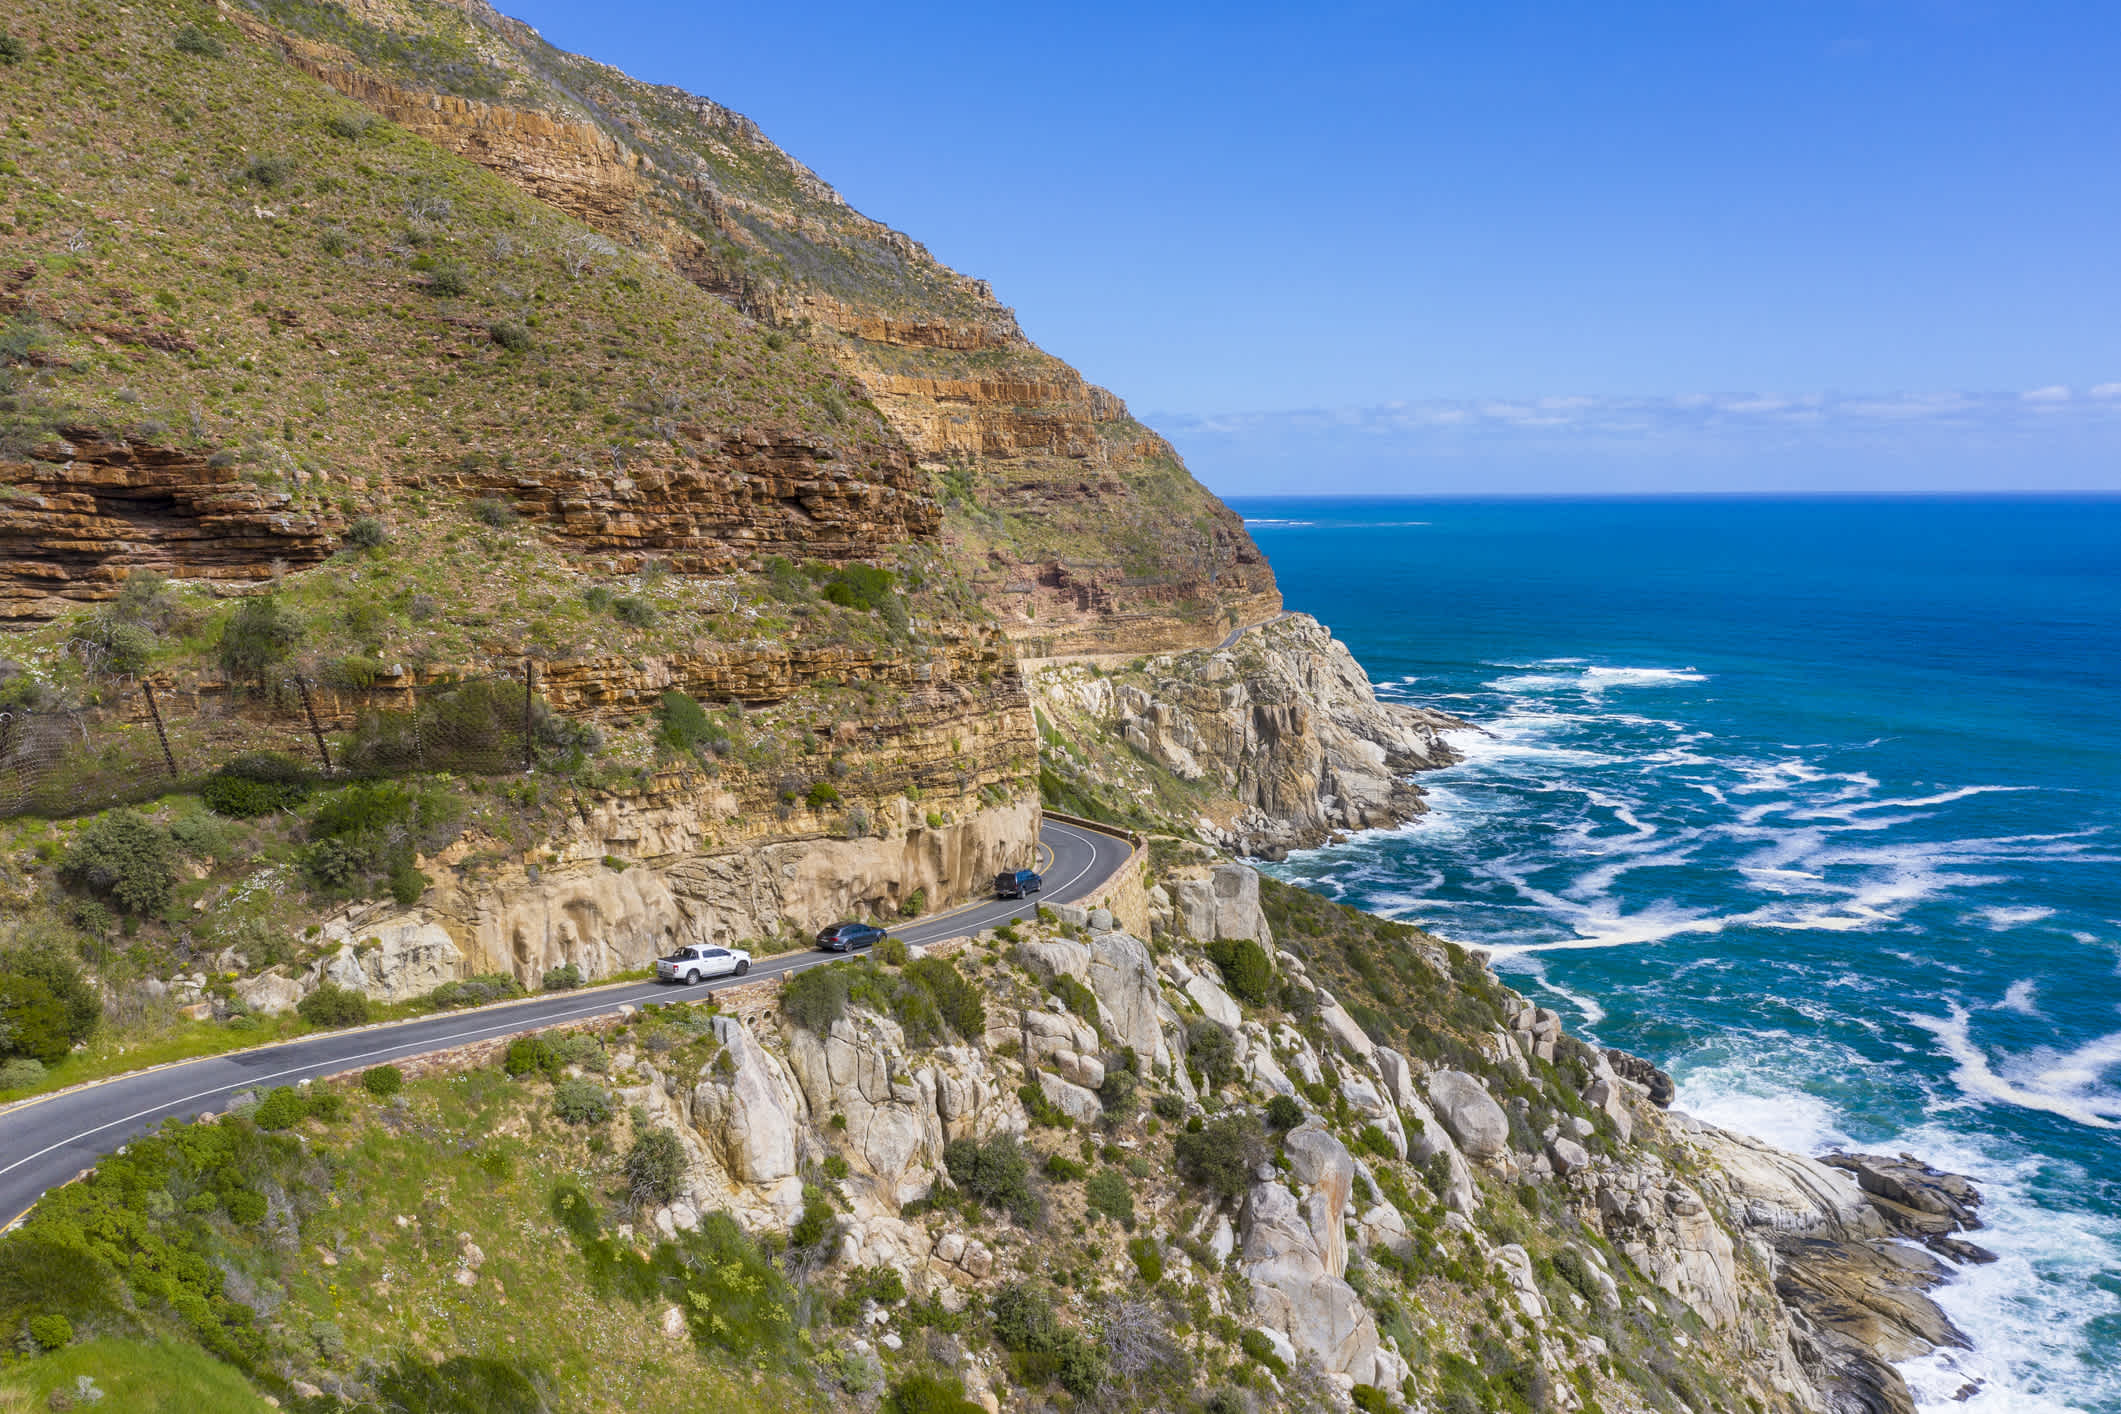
x=1025 y=1324
x=633 y=611
x=957 y=1000
x=350 y=125
x=255 y=784
x=12 y=50
x=1042 y=1110
x=20 y=1073
x=127 y=647
x=655 y=1165
x=929 y=1394
x=564 y=978
x=193 y=40
x=1117 y=1092
x=1169 y=1106
x=1370 y=1399
x=53 y=963
x=367 y=533
x=259 y=637
x=582 y=1102
x=822 y=794
x=1283 y=1113
x=512 y=337
x=1063 y=1169
x=447 y=282
x=1220 y=1156
x=282 y=1109
x=1148 y=1259
x=1211 y=1051
x=815 y=998
x=816 y=1226
x=51 y=1331
x=1372 y=1141
x=491 y=510
x=1256 y=1345
x=683 y=725
x=269 y=170
x=996 y=1173
x=32 y=1020
x=383 y=1081
x=1246 y=967
x=1107 y=1193
x=126 y=858
x=530 y=1055
x=332 y=1006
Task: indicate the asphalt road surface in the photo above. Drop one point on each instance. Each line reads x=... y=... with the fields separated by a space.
x=45 y=1142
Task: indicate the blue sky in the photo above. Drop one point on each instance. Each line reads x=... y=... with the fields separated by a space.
x=1430 y=247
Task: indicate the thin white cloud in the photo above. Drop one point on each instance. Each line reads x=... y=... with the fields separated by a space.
x=2055 y=393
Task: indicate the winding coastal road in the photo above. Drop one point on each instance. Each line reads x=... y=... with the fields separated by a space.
x=46 y=1141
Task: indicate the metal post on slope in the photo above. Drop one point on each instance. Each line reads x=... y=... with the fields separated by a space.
x=323 y=751
x=147 y=690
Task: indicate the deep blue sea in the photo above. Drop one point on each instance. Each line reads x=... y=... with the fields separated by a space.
x=1817 y=803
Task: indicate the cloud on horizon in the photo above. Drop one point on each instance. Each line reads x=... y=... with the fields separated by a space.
x=2049 y=438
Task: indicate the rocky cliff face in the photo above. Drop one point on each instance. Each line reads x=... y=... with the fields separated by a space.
x=1514 y=1201
x=1275 y=742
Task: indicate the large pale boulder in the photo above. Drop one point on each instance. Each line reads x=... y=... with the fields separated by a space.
x=1057 y=957
x=1344 y=1029
x=1295 y=1257
x=1078 y=1102
x=750 y=1111
x=1470 y=1114
x=1237 y=910
x=269 y=993
x=391 y=959
x=1216 y=1004
x=1123 y=976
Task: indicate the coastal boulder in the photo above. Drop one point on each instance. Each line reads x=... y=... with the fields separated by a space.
x=1470 y=1114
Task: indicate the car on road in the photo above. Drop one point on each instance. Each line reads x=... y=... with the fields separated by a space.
x=849 y=937
x=696 y=962
x=1018 y=883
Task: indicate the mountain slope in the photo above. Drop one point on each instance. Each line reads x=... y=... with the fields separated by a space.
x=1081 y=526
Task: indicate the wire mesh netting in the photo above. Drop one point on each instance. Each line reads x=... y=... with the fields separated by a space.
x=141 y=742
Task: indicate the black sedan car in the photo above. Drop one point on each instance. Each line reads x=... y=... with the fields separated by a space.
x=849 y=937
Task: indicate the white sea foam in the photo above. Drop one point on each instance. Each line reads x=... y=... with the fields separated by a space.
x=2018 y=997
x=2059 y=1083
x=2001 y=919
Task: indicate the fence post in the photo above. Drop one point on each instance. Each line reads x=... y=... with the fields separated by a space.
x=530 y=687
x=316 y=731
x=147 y=690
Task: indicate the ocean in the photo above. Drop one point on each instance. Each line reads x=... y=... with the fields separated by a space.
x=1814 y=802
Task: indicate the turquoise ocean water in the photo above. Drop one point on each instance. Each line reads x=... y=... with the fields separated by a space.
x=1817 y=803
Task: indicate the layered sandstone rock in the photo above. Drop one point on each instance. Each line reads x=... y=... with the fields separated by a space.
x=89 y=508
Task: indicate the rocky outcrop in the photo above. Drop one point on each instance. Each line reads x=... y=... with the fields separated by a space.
x=1295 y=1255
x=601 y=919
x=895 y=1110
x=1469 y=1114
x=92 y=507
x=1283 y=726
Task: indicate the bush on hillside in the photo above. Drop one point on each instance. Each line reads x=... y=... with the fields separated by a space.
x=1284 y=1113
x=1211 y=1052
x=564 y=978
x=683 y=725
x=256 y=784
x=124 y=857
x=581 y=1102
x=996 y=1173
x=32 y=1021
x=367 y=533
x=929 y=1394
x=655 y=1166
x=1221 y=1155
x=1027 y=1327
x=1245 y=967
x=258 y=638
x=383 y=1081
x=332 y=1006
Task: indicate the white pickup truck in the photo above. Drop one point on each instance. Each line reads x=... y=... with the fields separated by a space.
x=697 y=960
